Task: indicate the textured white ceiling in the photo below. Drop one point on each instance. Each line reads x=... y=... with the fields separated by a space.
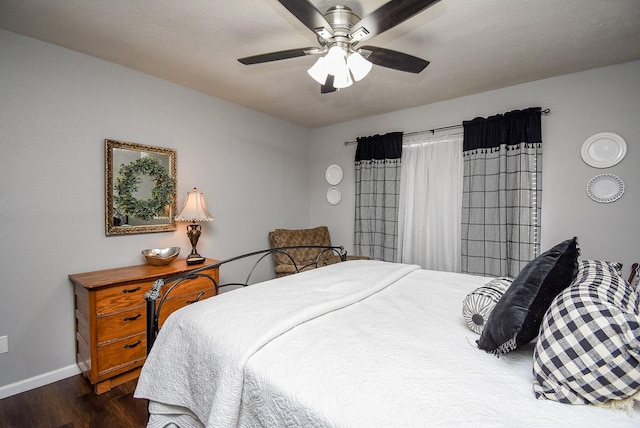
x=473 y=46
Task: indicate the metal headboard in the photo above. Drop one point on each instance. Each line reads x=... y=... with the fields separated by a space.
x=155 y=299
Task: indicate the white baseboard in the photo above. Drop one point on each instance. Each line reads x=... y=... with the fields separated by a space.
x=38 y=381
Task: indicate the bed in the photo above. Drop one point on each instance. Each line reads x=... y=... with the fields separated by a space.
x=355 y=344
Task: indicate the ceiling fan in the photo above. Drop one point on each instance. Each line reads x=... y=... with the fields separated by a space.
x=339 y=32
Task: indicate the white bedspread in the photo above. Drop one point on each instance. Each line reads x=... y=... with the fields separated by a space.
x=199 y=357
x=358 y=344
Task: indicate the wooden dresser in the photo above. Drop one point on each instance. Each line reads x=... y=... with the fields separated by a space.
x=110 y=315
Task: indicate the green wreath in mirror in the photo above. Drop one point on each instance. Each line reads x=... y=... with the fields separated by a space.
x=128 y=180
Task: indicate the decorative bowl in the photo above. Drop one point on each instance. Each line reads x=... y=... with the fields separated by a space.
x=160 y=256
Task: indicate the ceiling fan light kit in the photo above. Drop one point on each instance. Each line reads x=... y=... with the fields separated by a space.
x=339 y=31
x=342 y=66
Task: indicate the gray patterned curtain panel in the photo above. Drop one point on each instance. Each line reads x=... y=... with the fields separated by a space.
x=377 y=167
x=502 y=190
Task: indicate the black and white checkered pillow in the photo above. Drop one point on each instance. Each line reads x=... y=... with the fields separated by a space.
x=588 y=350
x=478 y=304
x=614 y=268
x=605 y=278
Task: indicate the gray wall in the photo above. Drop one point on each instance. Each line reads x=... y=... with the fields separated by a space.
x=58 y=106
x=582 y=104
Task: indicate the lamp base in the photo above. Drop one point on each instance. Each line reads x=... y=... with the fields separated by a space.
x=194 y=260
x=193 y=232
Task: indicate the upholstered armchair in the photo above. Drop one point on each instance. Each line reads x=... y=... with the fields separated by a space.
x=304 y=258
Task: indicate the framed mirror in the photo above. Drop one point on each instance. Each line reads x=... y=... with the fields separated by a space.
x=140 y=188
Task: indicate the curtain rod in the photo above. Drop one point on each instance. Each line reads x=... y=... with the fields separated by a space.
x=442 y=128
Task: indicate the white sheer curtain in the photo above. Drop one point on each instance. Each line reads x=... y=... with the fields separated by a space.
x=430 y=210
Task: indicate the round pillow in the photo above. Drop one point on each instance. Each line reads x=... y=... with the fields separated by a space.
x=478 y=304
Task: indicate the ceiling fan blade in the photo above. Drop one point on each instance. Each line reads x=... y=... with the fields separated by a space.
x=307 y=13
x=276 y=56
x=387 y=16
x=394 y=59
x=328 y=85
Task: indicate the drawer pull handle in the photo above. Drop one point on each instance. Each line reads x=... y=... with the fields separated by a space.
x=196 y=299
x=132 y=345
x=132 y=318
x=133 y=290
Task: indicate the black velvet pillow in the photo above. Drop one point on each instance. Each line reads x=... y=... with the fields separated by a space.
x=516 y=318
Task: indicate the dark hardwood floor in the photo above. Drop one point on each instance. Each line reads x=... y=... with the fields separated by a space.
x=71 y=403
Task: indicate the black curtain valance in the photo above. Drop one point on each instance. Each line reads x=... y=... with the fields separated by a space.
x=514 y=127
x=387 y=146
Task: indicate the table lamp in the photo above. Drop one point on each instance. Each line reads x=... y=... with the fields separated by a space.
x=194 y=210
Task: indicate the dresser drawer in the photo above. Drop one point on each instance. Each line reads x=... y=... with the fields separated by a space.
x=172 y=305
x=122 y=324
x=121 y=297
x=122 y=353
x=189 y=286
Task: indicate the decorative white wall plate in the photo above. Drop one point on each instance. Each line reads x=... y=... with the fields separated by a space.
x=603 y=150
x=334 y=196
x=333 y=174
x=605 y=188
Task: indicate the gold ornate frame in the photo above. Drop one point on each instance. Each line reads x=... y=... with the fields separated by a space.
x=117 y=223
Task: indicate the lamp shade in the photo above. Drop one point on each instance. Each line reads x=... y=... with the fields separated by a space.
x=194 y=208
x=319 y=71
x=358 y=65
x=336 y=59
x=342 y=78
